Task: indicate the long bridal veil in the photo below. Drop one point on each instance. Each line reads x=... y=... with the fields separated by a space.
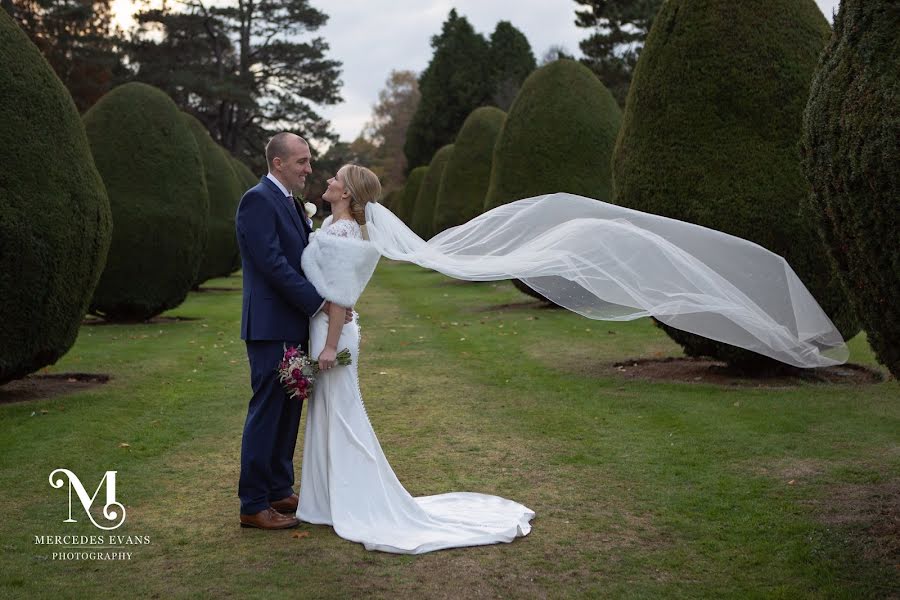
x=613 y=263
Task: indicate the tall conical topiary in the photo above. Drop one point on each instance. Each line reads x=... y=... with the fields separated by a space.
x=468 y=173
x=410 y=194
x=54 y=213
x=712 y=139
x=392 y=199
x=151 y=165
x=224 y=191
x=851 y=149
x=558 y=137
x=423 y=215
x=244 y=174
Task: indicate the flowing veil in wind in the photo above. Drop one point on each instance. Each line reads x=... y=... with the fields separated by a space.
x=612 y=263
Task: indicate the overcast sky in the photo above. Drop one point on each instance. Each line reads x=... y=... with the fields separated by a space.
x=373 y=37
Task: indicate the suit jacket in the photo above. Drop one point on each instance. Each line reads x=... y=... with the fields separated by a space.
x=278 y=299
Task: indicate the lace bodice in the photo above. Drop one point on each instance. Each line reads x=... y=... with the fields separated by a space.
x=342 y=228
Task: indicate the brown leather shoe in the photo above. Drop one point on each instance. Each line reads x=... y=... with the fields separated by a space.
x=287 y=505
x=269 y=519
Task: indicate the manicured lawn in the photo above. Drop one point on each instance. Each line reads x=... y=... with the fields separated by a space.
x=642 y=489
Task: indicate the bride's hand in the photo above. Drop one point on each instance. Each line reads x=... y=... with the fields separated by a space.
x=327 y=358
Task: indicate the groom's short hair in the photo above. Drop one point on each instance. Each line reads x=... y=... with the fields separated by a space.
x=278 y=146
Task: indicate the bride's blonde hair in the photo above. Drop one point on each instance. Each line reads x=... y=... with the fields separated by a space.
x=364 y=187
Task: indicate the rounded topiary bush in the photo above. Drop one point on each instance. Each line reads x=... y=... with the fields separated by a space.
x=558 y=137
x=410 y=194
x=423 y=215
x=151 y=165
x=392 y=199
x=851 y=150
x=55 y=221
x=468 y=173
x=244 y=174
x=713 y=140
x=224 y=191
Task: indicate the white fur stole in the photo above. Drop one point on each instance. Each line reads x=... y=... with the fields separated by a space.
x=339 y=267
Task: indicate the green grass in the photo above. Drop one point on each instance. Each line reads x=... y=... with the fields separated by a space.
x=641 y=489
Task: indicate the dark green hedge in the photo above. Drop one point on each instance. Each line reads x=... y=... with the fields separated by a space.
x=558 y=137
x=423 y=215
x=410 y=194
x=55 y=221
x=244 y=174
x=851 y=150
x=224 y=191
x=151 y=165
x=392 y=199
x=710 y=135
x=468 y=173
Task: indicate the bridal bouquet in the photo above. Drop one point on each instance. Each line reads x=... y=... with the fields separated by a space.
x=297 y=371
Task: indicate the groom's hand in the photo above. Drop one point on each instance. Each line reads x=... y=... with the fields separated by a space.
x=348 y=313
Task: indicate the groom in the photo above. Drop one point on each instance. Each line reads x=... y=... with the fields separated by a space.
x=272 y=232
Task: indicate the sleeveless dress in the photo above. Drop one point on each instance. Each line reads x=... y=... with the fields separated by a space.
x=346 y=481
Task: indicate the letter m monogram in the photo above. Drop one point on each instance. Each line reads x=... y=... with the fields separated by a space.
x=87 y=501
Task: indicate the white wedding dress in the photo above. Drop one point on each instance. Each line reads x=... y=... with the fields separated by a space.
x=346 y=481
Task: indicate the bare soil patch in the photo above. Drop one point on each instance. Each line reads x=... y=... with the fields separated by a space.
x=213 y=288
x=699 y=370
x=40 y=387
x=92 y=320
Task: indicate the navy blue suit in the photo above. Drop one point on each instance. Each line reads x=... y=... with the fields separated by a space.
x=278 y=302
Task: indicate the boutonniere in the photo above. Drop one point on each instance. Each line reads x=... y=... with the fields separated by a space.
x=308 y=207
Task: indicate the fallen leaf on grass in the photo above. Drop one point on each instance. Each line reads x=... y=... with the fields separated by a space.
x=124 y=445
x=300 y=534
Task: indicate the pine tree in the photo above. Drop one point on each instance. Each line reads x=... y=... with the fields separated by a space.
x=239 y=68
x=619 y=29
x=456 y=82
x=511 y=61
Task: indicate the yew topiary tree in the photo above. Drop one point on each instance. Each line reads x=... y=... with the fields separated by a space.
x=224 y=191
x=244 y=174
x=468 y=172
x=558 y=137
x=423 y=215
x=407 y=202
x=713 y=140
x=851 y=153
x=151 y=165
x=55 y=223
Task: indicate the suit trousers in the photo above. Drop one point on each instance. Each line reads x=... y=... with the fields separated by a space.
x=270 y=431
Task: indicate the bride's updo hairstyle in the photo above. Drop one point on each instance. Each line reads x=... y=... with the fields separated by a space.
x=364 y=187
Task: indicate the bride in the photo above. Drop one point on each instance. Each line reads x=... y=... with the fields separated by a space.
x=597 y=259
x=346 y=481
